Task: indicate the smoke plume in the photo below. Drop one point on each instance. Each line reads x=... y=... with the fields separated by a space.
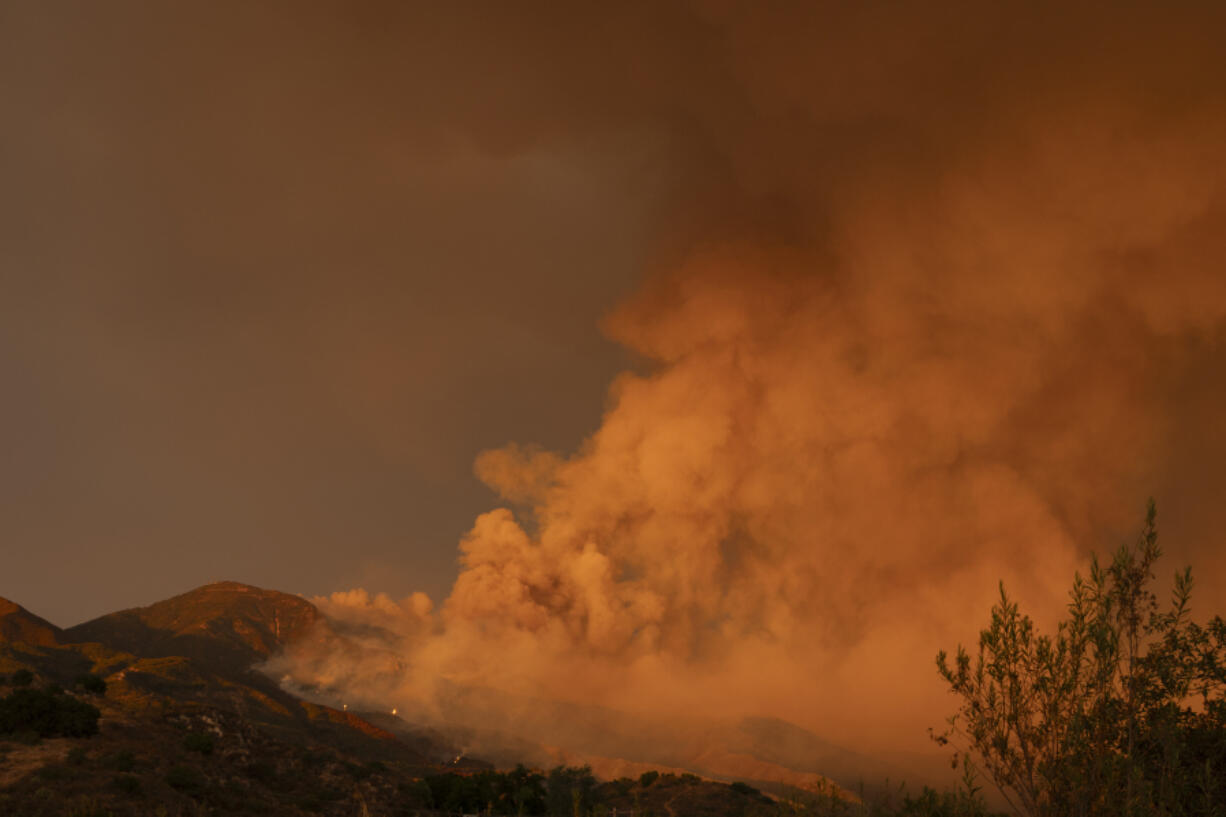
x=939 y=299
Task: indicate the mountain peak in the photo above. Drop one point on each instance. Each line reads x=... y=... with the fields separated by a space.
x=19 y=625
x=223 y=621
x=234 y=587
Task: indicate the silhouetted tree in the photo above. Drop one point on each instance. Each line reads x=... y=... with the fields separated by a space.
x=570 y=791
x=1099 y=718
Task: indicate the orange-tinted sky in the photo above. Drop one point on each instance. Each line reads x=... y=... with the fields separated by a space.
x=919 y=295
x=269 y=286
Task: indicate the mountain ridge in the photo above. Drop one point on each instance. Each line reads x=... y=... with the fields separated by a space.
x=228 y=623
x=19 y=625
x=211 y=646
x=208 y=733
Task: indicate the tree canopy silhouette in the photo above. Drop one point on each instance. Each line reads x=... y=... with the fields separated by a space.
x=1119 y=712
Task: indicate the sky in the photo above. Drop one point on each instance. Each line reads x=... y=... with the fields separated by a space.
x=267 y=292
x=732 y=351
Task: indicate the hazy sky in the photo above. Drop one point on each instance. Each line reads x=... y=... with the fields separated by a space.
x=267 y=287
x=917 y=297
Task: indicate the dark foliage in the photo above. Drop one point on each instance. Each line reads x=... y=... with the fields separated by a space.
x=123 y=762
x=520 y=791
x=574 y=792
x=1121 y=712
x=569 y=791
x=91 y=683
x=201 y=742
x=186 y=779
x=47 y=714
x=931 y=803
x=262 y=771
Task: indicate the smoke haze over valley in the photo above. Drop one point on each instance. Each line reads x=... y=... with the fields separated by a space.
x=903 y=301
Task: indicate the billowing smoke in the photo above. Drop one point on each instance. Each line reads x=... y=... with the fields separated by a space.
x=940 y=300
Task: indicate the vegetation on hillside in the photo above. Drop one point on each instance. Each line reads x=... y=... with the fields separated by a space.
x=1120 y=712
x=46 y=713
x=567 y=791
x=574 y=792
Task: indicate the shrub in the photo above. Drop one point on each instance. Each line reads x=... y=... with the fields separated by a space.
x=85 y=806
x=201 y=742
x=262 y=771
x=91 y=683
x=647 y=778
x=128 y=784
x=931 y=803
x=744 y=788
x=47 y=714
x=185 y=778
x=54 y=772
x=313 y=759
x=124 y=762
x=22 y=678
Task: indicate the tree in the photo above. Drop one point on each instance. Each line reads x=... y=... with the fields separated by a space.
x=1102 y=717
x=526 y=790
x=569 y=791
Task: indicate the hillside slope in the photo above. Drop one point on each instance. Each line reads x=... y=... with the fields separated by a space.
x=187 y=725
x=227 y=624
x=19 y=625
